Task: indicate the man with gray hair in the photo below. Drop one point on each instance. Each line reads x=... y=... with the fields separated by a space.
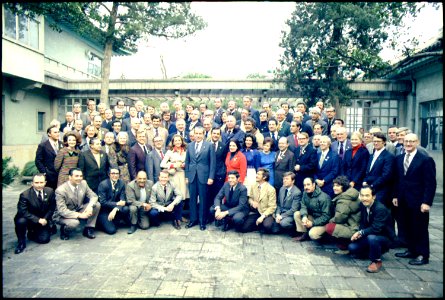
x=389 y=146
x=316 y=118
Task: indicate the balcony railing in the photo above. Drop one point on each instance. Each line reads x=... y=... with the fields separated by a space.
x=62 y=70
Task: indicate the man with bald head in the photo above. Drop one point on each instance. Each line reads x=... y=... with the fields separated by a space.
x=342 y=144
x=138 y=194
x=415 y=190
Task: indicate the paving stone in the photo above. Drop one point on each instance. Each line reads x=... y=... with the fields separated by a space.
x=402 y=274
x=144 y=286
x=312 y=282
x=171 y=288
x=419 y=288
x=335 y=293
x=199 y=290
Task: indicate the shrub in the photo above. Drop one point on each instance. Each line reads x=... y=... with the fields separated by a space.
x=8 y=173
x=30 y=169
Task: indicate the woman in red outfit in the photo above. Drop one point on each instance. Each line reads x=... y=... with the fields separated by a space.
x=235 y=160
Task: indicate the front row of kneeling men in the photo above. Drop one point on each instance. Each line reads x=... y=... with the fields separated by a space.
x=353 y=218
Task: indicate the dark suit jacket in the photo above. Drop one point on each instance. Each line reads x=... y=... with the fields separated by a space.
x=306 y=128
x=291 y=141
x=380 y=176
x=255 y=114
x=108 y=125
x=235 y=113
x=380 y=221
x=238 y=202
x=346 y=146
x=237 y=134
x=44 y=161
x=275 y=141
x=285 y=129
x=286 y=164
x=286 y=207
x=131 y=139
x=308 y=164
x=91 y=172
x=355 y=168
x=30 y=208
x=201 y=165
x=328 y=171
x=419 y=184
x=107 y=197
x=136 y=159
x=189 y=127
x=153 y=165
x=220 y=160
x=289 y=117
x=63 y=125
x=217 y=116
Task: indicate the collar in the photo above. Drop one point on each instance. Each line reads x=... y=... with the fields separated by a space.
x=411 y=155
x=378 y=152
x=72 y=187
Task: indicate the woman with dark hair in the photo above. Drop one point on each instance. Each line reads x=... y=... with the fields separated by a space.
x=235 y=160
x=253 y=159
x=355 y=161
x=118 y=156
x=346 y=213
x=267 y=157
x=67 y=157
x=264 y=121
x=174 y=163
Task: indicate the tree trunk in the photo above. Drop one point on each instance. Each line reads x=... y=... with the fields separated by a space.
x=105 y=84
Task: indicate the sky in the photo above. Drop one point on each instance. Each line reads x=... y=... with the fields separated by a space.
x=241 y=38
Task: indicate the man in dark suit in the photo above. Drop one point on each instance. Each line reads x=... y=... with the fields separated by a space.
x=288 y=116
x=34 y=213
x=200 y=173
x=328 y=167
x=273 y=133
x=232 y=132
x=194 y=120
x=221 y=150
x=45 y=155
x=380 y=170
x=97 y=123
x=292 y=138
x=255 y=114
x=288 y=202
x=218 y=111
x=342 y=144
x=166 y=200
x=69 y=122
x=154 y=158
x=94 y=164
x=109 y=118
x=330 y=117
x=230 y=205
x=75 y=201
x=416 y=186
x=283 y=125
x=232 y=110
x=138 y=154
x=376 y=231
x=284 y=162
x=181 y=130
x=113 y=204
x=305 y=160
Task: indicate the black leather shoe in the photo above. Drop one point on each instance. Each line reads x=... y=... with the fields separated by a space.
x=176 y=224
x=202 y=227
x=53 y=229
x=20 y=247
x=89 y=233
x=226 y=226
x=191 y=224
x=419 y=260
x=218 y=223
x=406 y=254
x=64 y=233
x=132 y=229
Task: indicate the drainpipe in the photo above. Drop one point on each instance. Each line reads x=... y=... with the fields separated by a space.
x=414 y=124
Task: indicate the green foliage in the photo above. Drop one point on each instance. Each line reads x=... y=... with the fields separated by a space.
x=8 y=173
x=29 y=169
x=332 y=43
x=195 y=75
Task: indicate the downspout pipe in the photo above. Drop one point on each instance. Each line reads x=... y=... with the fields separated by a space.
x=414 y=104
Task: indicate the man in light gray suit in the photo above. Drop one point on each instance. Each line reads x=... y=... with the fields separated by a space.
x=165 y=199
x=154 y=158
x=200 y=168
x=288 y=202
x=138 y=194
x=75 y=202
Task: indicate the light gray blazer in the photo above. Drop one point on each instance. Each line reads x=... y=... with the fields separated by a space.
x=158 y=198
x=133 y=192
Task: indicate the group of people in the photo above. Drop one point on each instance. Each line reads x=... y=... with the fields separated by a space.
x=272 y=171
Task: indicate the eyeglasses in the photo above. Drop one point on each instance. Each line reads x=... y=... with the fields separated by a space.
x=114 y=173
x=157 y=141
x=302 y=138
x=377 y=142
x=410 y=142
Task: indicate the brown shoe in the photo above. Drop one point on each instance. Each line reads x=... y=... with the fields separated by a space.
x=374 y=267
x=301 y=238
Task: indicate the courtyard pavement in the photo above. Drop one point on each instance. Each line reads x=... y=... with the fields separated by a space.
x=163 y=262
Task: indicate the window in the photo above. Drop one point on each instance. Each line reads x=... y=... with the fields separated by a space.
x=94 y=65
x=431 y=125
x=40 y=121
x=21 y=28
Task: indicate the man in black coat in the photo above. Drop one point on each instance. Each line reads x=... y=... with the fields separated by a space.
x=416 y=186
x=305 y=160
x=45 y=155
x=284 y=162
x=138 y=154
x=94 y=164
x=376 y=230
x=230 y=205
x=34 y=213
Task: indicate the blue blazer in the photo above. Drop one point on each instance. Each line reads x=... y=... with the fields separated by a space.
x=346 y=147
x=380 y=176
x=239 y=199
x=201 y=165
x=328 y=171
x=308 y=164
x=107 y=197
x=355 y=168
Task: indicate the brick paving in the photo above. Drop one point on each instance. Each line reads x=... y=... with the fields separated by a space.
x=163 y=262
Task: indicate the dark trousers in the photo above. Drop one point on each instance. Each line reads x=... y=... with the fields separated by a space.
x=212 y=191
x=372 y=245
x=250 y=223
x=400 y=218
x=237 y=220
x=417 y=234
x=156 y=216
x=198 y=189
x=36 y=232
x=110 y=227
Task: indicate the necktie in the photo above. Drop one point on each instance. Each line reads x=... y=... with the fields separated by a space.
x=368 y=210
x=165 y=191
x=197 y=148
x=402 y=150
x=145 y=150
x=156 y=134
x=320 y=163
x=230 y=194
x=113 y=185
x=406 y=163
x=55 y=147
x=215 y=144
x=295 y=140
x=285 y=193
x=162 y=154
x=341 y=150
x=40 y=197
x=76 y=193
